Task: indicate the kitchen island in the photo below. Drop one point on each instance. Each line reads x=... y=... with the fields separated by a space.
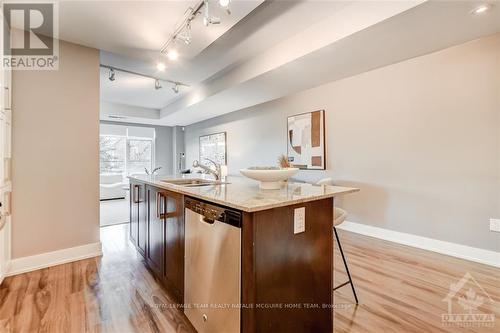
x=238 y=258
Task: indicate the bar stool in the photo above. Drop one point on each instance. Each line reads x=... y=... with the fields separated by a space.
x=339 y=216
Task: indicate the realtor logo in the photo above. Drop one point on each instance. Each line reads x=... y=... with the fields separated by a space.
x=464 y=301
x=30 y=36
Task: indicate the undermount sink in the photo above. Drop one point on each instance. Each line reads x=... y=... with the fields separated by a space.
x=192 y=182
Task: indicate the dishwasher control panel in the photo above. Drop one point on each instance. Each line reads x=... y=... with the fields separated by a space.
x=212 y=213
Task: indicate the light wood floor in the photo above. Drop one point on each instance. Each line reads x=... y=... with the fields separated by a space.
x=400 y=290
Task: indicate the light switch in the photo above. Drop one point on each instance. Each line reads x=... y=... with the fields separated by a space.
x=299 y=220
x=495 y=225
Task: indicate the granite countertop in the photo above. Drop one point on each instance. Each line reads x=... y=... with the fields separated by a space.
x=244 y=194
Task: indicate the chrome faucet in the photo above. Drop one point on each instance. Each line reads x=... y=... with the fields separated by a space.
x=216 y=172
x=152 y=172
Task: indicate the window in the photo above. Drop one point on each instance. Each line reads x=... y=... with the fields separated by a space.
x=139 y=155
x=126 y=150
x=112 y=154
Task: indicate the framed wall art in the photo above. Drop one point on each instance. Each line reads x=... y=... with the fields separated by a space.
x=306 y=140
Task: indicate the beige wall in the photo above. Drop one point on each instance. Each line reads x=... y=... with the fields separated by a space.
x=55 y=154
x=420 y=138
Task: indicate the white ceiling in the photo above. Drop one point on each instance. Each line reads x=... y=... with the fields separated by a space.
x=138 y=29
x=267 y=25
x=422 y=29
x=130 y=35
x=263 y=51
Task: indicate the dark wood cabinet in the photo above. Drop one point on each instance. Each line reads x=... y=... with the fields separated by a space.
x=277 y=264
x=138 y=216
x=165 y=239
x=134 y=213
x=143 y=221
x=174 y=244
x=155 y=254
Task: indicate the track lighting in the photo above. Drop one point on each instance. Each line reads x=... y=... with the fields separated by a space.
x=207 y=19
x=158 y=81
x=183 y=30
x=186 y=38
x=111 y=74
x=186 y=35
x=175 y=88
x=160 y=66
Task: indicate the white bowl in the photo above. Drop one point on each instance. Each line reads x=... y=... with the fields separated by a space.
x=269 y=179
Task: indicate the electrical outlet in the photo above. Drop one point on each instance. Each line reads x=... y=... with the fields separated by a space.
x=495 y=225
x=299 y=220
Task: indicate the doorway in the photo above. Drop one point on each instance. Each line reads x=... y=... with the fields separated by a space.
x=123 y=151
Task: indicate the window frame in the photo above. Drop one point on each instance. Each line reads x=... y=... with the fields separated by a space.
x=127 y=159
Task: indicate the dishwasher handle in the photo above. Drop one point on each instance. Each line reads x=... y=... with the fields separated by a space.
x=208 y=220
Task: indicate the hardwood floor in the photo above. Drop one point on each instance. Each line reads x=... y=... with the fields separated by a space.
x=401 y=289
x=115 y=293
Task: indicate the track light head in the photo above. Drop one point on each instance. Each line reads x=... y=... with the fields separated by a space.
x=185 y=38
x=175 y=88
x=186 y=35
x=111 y=74
x=207 y=19
x=157 y=84
x=224 y=3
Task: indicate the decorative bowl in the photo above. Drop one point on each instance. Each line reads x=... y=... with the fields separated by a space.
x=270 y=177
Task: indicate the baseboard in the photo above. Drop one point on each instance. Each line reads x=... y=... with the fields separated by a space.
x=48 y=259
x=482 y=256
x=7 y=269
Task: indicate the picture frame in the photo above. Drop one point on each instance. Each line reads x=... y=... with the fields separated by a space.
x=306 y=140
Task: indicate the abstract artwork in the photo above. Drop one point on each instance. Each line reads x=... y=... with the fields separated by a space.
x=306 y=140
x=213 y=146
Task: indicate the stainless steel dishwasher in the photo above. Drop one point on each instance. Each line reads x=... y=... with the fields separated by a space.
x=212 y=273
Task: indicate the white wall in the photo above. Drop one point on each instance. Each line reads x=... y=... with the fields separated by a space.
x=420 y=138
x=55 y=165
x=129 y=111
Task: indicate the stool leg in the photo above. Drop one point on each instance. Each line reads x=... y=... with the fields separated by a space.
x=345 y=264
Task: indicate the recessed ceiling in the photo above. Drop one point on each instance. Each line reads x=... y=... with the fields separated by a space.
x=268 y=24
x=354 y=48
x=138 y=29
x=130 y=35
x=263 y=51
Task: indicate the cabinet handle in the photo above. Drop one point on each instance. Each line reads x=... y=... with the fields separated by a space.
x=136 y=194
x=159 y=197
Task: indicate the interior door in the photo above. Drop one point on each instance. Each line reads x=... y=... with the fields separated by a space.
x=174 y=244
x=155 y=254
